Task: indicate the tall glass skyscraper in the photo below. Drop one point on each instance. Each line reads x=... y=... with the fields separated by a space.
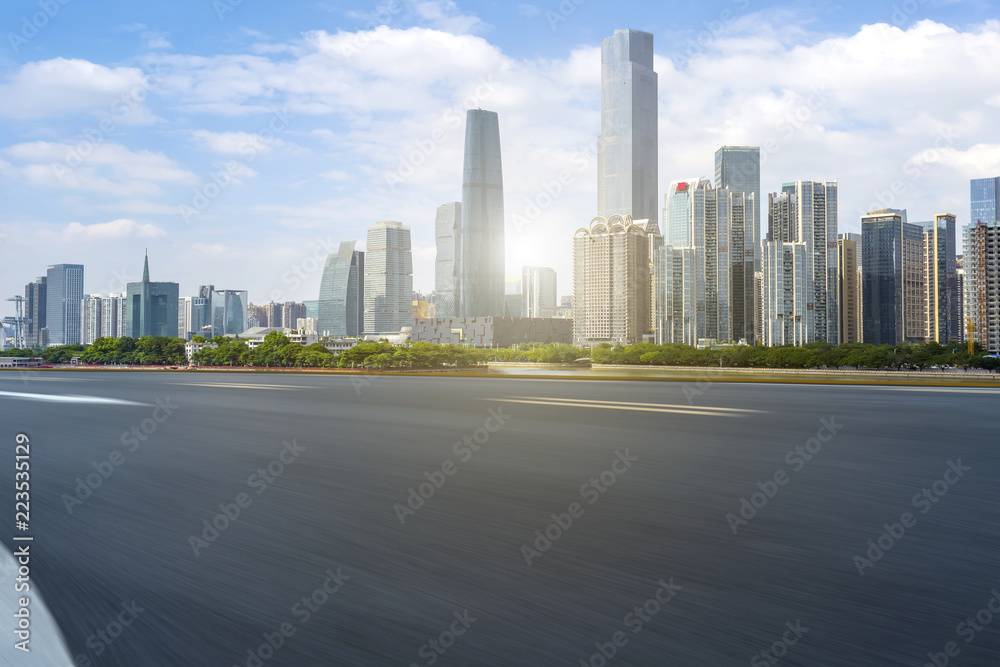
x=627 y=149
x=388 y=278
x=891 y=287
x=63 y=298
x=481 y=261
x=985 y=199
x=738 y=168
x=151 y=308
x=447 y=228
x=342 y=293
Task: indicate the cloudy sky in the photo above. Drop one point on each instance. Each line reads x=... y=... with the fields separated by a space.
x=239 y=140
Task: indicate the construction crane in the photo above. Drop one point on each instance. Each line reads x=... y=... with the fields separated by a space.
x=18 y=321
x=970 y=330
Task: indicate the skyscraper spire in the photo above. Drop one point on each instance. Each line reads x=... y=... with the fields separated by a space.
x=145 y=268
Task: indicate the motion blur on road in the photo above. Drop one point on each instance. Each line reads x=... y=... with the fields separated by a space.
x=280 y=519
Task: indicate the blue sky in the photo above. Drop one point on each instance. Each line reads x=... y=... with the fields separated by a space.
x=239 y=140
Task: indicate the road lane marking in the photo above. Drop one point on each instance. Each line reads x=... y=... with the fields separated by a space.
x=655 y=405
x=52 y=398
x=222 y=385
x=608 y=406
x=954 y=390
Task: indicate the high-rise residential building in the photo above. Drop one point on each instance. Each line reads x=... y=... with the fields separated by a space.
x=718 y=225
x=849 y=287
x=893 y=278
x=611 y=281
x=962 y=321
x=114 y=314
x=481 y=260
x=981 y=261
x=388 y=278
x=785 y=291
x=258 y=316
x=676 y=287
x=447 y=230
x=738 y=169
x=538 y=289
x=63 y=296
x=185 y=313
x=102 y=316
x=806 y=212
x=151 y=308
x=627 y=163
x=34 y=311
x=90 y=318
x=342 y=293
x=274 y=314
x=985 y=199
x=942 y=296
x=291 y=312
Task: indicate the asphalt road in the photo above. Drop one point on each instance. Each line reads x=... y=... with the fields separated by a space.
x=645 y=566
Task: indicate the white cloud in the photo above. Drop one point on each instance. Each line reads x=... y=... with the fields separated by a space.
x=236 y=143
x=60 y=86
x=114 y=230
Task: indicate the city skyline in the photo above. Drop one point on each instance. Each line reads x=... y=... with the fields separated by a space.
x=128 y=191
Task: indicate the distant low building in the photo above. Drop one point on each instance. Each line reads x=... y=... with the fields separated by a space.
x=492 y=331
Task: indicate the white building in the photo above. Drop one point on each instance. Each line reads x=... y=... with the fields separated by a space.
x=538 y=290
x=388 y=280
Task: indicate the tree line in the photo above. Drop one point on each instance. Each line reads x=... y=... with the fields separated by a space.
x=277 y=351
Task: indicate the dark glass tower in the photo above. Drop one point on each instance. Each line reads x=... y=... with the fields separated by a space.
x=151 y=308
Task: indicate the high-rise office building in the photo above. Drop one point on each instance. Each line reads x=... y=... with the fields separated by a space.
x=942 y=295
x=985 y=199
x=152 y=307
x=849 y=287
x=34 y=311
x=64 y=294
x=447 y=229
x=611 y=281
x=481 y=260
x=982 y=282
x=229 y=312
x=342 y=293
x=627 y=161
x=388 y=278
x=538 y=289
x=677 y=211
x=738 y=169
x=893 y=283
